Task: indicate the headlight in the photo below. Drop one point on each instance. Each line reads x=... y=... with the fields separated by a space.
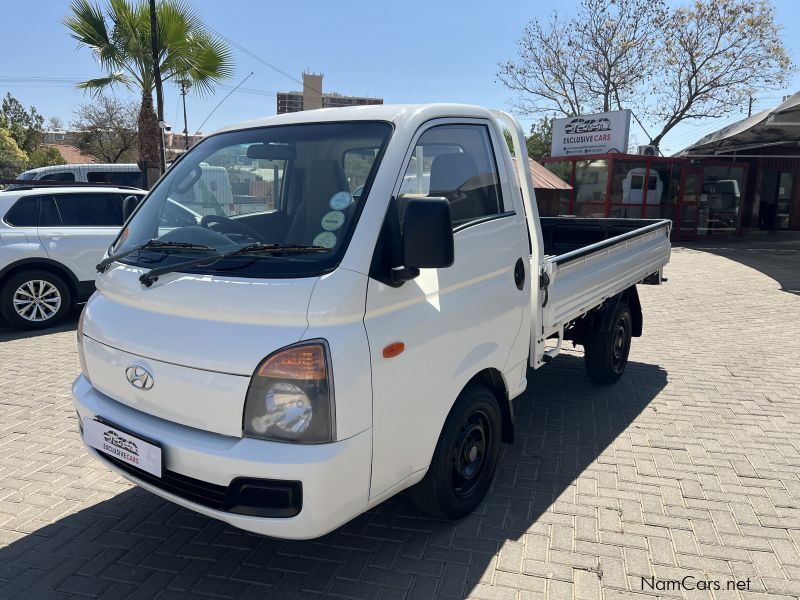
x=290 y=398
x=81 y=355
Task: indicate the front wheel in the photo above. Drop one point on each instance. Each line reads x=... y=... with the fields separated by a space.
x=465 y=457
x=606 y=351
x=35 y=300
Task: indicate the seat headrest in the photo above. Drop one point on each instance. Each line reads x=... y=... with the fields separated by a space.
x=449 y=172
x=325 y=178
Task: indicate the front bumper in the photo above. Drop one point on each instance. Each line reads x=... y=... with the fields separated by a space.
x=334 y=477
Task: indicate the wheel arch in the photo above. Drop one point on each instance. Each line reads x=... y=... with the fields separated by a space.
x=631 y=296
x=43 y=264
x=494 y=380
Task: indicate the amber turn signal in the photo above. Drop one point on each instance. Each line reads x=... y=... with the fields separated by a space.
x=304 y=363
x=393 y=350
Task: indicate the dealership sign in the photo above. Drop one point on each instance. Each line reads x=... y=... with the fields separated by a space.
x=591 y=134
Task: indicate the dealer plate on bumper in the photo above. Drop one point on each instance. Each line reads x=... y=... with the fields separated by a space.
x=123 y=446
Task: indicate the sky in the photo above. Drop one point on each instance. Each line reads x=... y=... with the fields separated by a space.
x=427 y=51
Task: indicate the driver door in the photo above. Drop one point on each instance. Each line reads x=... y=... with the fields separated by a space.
x=453 y=321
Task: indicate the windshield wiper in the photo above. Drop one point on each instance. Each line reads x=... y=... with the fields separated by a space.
x=152 y=275
x=103 y=265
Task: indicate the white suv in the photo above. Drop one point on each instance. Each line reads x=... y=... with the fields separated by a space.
x=51 y=238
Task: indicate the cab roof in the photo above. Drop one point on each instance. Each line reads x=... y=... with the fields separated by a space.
x=399 y=114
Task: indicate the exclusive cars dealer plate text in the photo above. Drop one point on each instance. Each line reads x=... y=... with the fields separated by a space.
x=122 y=446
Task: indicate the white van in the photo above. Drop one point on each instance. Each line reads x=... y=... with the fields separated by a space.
x=284 y=370
x=111 y=174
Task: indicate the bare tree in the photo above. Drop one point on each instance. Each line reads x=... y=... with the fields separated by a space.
x=108 y=128
x=55 y=124
x=546 y=70
x=615 y=44
x=691 y=62
x=715 y=54
x=593 y=61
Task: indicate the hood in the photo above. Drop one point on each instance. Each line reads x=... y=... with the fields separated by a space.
x=210 y=322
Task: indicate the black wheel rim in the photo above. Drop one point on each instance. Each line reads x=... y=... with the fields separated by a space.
x=620 y=347
x=469 y=455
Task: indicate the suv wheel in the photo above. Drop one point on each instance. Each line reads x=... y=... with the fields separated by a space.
x=35 y=299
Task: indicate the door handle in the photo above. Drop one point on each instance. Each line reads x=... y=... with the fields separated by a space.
x=519 y=274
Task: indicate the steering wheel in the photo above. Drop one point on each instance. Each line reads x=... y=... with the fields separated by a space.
x=207 y=220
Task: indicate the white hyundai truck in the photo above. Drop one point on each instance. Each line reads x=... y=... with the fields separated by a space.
x=361 y=329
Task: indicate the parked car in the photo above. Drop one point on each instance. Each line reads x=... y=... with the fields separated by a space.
x=112 y=174
x=285 y=371
x=50 y=241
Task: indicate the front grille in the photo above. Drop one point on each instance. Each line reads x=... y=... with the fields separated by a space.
x=188 y=488
x=253 y=497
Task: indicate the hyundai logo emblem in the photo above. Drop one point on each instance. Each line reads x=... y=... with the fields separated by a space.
x=139 y=377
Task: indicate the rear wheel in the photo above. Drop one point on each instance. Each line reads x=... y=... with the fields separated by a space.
x=35 y=299
x=606 y=352
x=465 y=457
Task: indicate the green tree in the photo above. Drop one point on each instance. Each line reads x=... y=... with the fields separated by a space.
x=540 y=140
x=538 y=143
x=45 y=156
x=26 y=127
x=12 y=159
x=120 y=39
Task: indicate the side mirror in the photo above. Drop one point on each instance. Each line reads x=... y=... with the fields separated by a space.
x=129 y=205
x=427 y=237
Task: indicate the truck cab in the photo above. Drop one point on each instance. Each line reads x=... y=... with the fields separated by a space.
x=361 y=329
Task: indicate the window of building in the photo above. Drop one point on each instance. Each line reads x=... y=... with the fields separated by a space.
x=628 y=188
x=720 y=200
x=662 y=195
x=591 y=182
x=784 y=204
x=455 y=162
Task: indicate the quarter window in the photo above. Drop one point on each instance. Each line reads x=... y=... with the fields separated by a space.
x=455 y=162
x=23 y=213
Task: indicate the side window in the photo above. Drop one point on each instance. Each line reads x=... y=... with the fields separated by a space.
x=455 y=162
x=23 y=213
x=127 y=178
x=48 y=213
x=58 y=177
x=89 y=210
x=98 y=177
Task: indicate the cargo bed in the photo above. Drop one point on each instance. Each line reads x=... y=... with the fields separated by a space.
x=590 y=260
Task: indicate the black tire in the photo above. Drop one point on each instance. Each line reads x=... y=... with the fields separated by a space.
x=606 y=352
x=465 y=457
x=51 y=299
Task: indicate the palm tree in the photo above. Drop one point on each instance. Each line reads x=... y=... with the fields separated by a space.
x=120 y=39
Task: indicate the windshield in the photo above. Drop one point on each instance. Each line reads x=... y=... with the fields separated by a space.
x=299 y=185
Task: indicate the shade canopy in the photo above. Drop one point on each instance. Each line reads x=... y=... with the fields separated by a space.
x=543 y=179
x=779 y=126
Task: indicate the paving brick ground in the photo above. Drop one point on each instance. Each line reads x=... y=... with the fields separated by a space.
x=689 y=466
